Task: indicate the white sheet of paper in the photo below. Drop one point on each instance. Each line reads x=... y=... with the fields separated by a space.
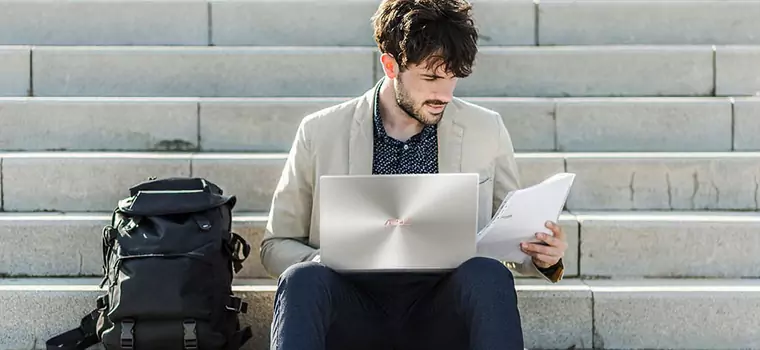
x=521 y=215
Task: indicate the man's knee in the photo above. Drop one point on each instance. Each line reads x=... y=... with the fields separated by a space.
x=484 y=271
x=305 y=276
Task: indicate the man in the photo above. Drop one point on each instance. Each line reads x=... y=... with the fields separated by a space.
x=408 y=123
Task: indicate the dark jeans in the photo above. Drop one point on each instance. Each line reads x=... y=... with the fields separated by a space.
x=473 y=307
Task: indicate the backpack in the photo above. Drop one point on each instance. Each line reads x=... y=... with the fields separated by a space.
x=169 y=257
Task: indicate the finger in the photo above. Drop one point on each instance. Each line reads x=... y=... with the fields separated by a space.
x=556 y=229
x=552 y=252
x=545 y=260
x=541 y=249
x=551 y=240
x=548 y=239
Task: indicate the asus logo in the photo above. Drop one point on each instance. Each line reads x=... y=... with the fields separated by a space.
x=397 y=222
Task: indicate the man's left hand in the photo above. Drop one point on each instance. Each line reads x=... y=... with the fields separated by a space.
x=548 y=254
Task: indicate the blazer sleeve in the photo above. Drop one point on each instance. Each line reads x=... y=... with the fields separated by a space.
x=286 y=235
x=507 y=179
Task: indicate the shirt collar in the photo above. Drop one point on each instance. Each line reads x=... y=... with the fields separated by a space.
x=427 y=130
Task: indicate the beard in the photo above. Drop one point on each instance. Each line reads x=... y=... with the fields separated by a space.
x=416 y=111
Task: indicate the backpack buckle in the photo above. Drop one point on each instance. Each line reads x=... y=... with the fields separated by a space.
x=132 y=224
x=127 y=334
x=237 y=305
x=190 y=337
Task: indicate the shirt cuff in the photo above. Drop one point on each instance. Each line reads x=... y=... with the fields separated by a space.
x=551 y=271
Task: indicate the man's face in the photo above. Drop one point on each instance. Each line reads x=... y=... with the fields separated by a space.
x=423 y=93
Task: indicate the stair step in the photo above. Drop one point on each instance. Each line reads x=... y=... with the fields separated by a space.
x=675 y=244
x=591 y=71
x=86 y=124
x=603 y=244
x=568 y=71
x=263 y=22
x=581 y=71
x=292 y=23
x=230 y=23
x=29 y=320
x=651 y=124
x=202 y=71
x=648 y=22
x=676 y=314
x=69 y=244
x=269 y=124
x=120 y=22
x=664 y=181
x=626 y=314
x=94 y=181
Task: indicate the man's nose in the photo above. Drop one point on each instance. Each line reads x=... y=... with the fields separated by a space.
x=444 y=93
x=444 y=96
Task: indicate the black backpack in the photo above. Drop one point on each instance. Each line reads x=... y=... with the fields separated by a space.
x=169 y=257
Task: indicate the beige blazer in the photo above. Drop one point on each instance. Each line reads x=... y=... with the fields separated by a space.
x=339 y=140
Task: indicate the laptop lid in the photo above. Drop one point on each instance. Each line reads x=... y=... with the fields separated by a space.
x=414 y=222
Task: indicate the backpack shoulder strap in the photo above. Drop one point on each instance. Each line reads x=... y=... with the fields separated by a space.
x=79 y=338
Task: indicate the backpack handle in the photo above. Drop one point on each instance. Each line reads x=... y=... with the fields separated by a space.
x=176 y=184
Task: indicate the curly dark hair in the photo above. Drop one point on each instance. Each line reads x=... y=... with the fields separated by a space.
x=413 y=31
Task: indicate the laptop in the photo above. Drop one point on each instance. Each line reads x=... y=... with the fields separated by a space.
x=404 y=223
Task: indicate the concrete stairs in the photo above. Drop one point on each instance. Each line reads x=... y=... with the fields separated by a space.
x=651 y=102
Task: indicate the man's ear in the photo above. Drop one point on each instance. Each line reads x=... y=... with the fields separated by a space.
x=390 y=66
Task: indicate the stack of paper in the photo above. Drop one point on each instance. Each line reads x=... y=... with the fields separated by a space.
x=521 y=215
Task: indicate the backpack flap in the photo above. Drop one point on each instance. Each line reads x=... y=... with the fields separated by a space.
x=167 y=202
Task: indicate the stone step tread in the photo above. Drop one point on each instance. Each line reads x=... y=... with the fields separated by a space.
x=622 y=70
x=338 y=99
x=628 y=285
x=568 y=324
x=366 y=48
x=600 y=244
x=241 y=284
x=269 y=124
x=53 y=181
x=91 y=284
x=581 y=216
x=70 y=243
x=264 y=22
x=621 y=314
x=282 y=155
x=230 y=22
x=593 y=22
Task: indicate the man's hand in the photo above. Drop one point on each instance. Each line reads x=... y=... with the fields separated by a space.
x=545 y=256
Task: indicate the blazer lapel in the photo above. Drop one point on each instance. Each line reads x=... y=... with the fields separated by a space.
x=361 y=139
x=450 y=135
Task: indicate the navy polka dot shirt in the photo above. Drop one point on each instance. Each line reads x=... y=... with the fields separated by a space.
x=418 y=155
